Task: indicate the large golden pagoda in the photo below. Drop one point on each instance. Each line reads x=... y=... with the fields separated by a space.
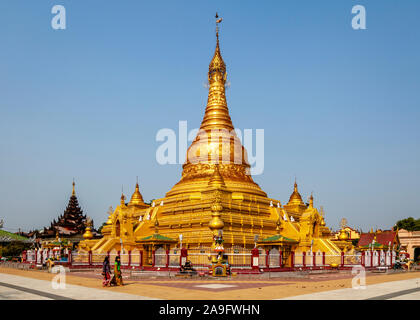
x=216 y=192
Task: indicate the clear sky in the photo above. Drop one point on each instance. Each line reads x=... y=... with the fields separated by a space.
x=340 y=107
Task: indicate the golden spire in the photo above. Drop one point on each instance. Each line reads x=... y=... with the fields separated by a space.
x=136 y=198
x=295 y=197
x=73 y=193
x=311 y=201
x=122 y=199
x=217 y=113
x=323 y=216
x=216 y=141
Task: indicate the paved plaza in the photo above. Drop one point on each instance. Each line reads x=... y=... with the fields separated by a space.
x=23 y=285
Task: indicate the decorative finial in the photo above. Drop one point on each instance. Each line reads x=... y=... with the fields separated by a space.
x=156 y=225
x=216 y=179
x=343 y=223
x=278 y=226
x=122 y=199
x=216 y=223
x=110 y=213
x=217 y=26
x=73 y=192
x=88 y=231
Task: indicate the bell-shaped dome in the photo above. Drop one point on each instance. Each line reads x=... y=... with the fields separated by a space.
x=295 y=197
x=136 y=198
x=343 y=235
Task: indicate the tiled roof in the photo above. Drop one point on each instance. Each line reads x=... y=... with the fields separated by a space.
x=157 y=237
x=278 y=237
x=383 y=238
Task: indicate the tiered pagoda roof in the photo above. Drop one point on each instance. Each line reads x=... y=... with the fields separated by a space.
x=71 y=223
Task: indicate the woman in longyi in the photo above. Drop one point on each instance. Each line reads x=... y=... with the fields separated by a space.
x=117 y=278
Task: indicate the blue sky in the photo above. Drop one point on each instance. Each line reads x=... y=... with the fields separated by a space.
x=340 y=107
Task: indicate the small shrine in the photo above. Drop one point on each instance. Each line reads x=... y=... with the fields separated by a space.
x=219 y=262
x=58 y=248
x=344 y=238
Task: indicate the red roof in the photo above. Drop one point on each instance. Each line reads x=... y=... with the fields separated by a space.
x=383 y=238
x=366 y=239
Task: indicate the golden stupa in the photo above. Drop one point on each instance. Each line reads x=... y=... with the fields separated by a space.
x=216 y=192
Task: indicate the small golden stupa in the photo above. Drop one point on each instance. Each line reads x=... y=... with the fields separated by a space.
x=88 y=231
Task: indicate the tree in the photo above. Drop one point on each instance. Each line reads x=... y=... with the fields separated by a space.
x=14 y=248
x=409 y=224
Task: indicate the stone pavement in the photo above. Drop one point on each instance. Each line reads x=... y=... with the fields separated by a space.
x=394 y=290
x=23 y=284
x=14 y=287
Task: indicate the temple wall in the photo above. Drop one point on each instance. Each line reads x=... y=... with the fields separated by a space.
x=409 y=240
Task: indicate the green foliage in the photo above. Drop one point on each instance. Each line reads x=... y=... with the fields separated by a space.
x=14 y=249
x=409 y=224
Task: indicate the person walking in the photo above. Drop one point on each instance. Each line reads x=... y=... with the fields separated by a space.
x=117 y=278
x=106 y=272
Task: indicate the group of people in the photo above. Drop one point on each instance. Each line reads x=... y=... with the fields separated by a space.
x=106 y=272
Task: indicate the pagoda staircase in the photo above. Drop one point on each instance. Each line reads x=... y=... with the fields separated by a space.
x=99 y=244
x=105 y=245
x=328 y=246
